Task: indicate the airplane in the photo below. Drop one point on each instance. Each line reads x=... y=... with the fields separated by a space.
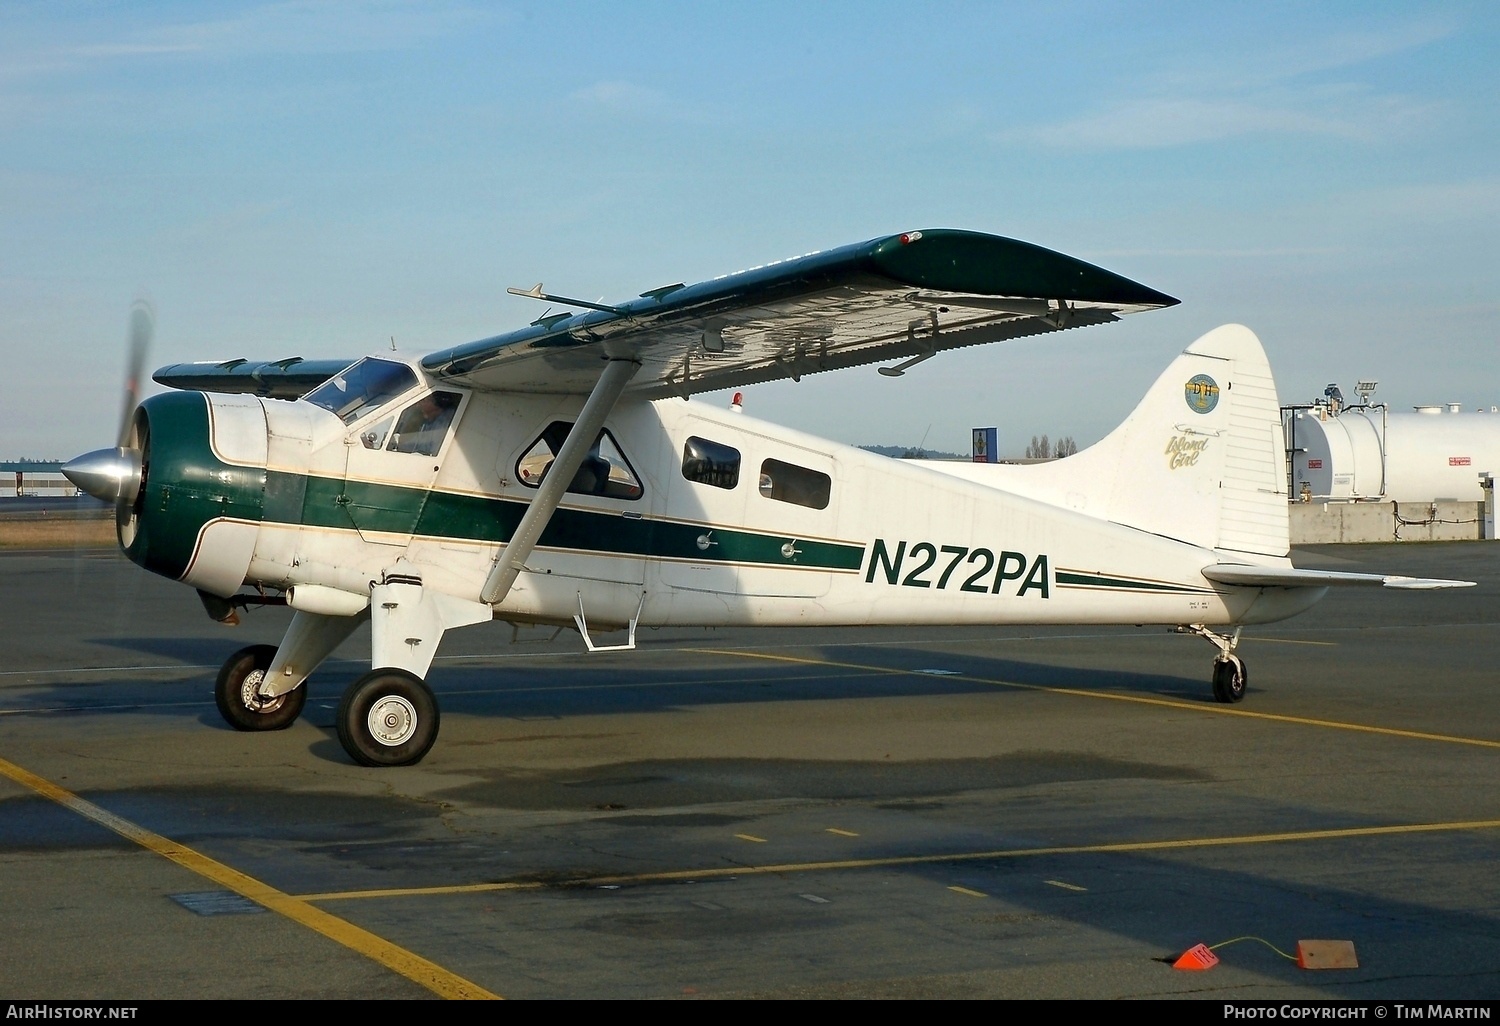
x=555 y=475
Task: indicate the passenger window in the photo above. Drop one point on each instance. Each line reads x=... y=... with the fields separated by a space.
x=787 y=482
x=604 y=470
x=424 y=424
x=710 y=463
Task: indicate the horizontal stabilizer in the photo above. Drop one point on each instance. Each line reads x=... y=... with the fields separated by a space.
x=1288 y=577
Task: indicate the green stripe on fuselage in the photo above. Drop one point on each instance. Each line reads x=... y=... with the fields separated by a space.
x=1076 y=579
x=188 y=485
x=397 y=509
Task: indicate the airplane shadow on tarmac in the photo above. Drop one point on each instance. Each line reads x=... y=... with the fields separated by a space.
x=556 y=686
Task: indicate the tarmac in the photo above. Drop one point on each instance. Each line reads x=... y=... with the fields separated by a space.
x=1044 y=813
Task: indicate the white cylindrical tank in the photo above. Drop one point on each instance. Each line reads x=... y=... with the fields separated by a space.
x=1338 y=457
x=1368 y=453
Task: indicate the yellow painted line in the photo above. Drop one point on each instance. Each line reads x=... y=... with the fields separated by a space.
x=408 y=892
x=751 y=837
x=1126 y=847
x=415 y=968
x=842 y=833
x=1065 y=886
x=1217 y=708
x=964 y=890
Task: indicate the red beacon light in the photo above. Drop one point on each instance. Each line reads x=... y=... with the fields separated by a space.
x=737 y=404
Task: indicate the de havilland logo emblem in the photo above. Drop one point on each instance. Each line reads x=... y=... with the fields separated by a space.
x=1202 y=393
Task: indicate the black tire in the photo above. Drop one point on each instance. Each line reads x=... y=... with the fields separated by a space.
x=387 y=718
x=1230 y=679
x=234 y=692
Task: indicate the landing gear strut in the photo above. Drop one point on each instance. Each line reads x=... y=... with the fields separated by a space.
x=238 y=695
x=1231 y=678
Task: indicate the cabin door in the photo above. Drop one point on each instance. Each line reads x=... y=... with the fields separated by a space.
x=392 y=464
x=747 y=516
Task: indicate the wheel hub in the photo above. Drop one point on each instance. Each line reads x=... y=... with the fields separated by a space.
x=252 y=698
x=392 y=720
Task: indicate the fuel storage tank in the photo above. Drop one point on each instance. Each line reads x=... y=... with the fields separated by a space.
x=1373 y=453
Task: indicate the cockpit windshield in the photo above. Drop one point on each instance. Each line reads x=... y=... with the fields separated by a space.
x=368 y=384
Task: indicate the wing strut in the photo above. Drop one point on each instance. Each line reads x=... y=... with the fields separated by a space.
x=617 y=374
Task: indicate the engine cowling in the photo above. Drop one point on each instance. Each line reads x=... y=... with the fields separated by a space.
x=189 y=487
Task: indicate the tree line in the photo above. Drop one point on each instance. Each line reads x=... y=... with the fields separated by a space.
x=1043 y=449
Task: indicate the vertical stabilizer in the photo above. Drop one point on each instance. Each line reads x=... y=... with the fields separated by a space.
x=1201 y=459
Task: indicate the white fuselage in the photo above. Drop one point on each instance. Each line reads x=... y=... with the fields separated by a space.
x=897 y=542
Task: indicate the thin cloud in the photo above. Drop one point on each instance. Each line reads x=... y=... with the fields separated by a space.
x=1283 y=91
x=1426 y=203
x=1287 y=61
x=106 y=50
x=1160 y=122
x=622 y=96
x=293 y=27
x=630 y=99
x=1228 y=253
x=322 y=26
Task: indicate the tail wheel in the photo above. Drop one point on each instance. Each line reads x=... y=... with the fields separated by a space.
x=387 y=718
x=237 y=692
x=1230 y=679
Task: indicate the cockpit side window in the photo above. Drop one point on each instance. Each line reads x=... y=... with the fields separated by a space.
x=373 y=437
x=362 y=388
x=604 y=471
x=424 y=424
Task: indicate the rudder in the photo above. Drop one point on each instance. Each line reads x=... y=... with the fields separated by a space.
x=1201 y=459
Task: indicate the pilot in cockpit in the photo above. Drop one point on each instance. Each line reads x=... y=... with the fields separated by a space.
x=424 y=424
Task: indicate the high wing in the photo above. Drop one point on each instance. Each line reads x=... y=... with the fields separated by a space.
x=897 y=297
x=1286 y=577
x=890 y=298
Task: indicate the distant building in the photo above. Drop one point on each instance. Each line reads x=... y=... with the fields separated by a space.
x=34 y=477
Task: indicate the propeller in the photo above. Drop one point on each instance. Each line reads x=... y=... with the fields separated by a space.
x=138 y=348
x=114 y=475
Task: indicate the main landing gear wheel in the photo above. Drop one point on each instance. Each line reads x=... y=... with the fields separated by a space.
x=1230 y=678
x=237 y=692
x=387 y=718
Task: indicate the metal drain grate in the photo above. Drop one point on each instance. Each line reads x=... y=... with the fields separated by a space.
x=217 y=903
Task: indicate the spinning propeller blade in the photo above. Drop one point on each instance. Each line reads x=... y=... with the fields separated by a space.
x=138 y=347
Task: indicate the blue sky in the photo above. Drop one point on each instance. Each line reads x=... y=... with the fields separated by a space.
x=311 y=179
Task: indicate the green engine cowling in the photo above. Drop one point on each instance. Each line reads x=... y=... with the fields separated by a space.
x=198 y=509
